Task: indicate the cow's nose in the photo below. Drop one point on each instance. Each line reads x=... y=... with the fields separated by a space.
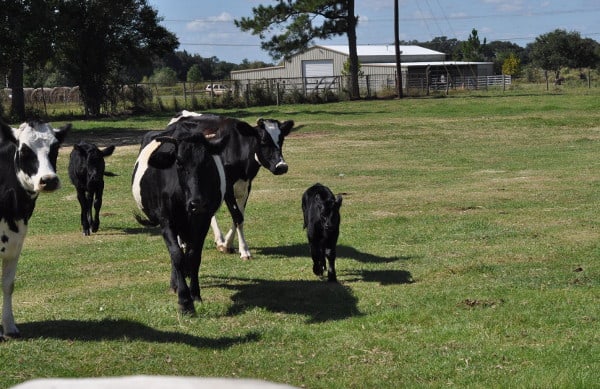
x=281 y=168
x=49 y=183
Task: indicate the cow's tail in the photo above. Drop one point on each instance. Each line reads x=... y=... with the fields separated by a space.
x=146 y=222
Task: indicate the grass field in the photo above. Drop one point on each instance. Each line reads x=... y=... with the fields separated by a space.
x=468 y=257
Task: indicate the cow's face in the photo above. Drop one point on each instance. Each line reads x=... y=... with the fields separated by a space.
x=37 y=151
x=271 y=134
x=191 y=157
x=330 y=213
x=94 y=163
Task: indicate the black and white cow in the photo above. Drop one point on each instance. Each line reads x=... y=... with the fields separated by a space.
x=321 y=211
x=28 y=167
x=247 y=150
x=179 y=183
x=86 y=171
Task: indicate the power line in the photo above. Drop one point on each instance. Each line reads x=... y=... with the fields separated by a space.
x=424 y=18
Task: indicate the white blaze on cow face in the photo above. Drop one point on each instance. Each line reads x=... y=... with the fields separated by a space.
x=36 y=157
x=273 y=130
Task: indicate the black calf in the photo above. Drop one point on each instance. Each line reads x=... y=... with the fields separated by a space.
x=86 y=171
x=322 y=222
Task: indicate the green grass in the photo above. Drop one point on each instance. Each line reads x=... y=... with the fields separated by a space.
x=468 y=257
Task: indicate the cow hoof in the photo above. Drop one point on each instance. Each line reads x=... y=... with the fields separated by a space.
x=86 y=233
x=187 y=309
x=246 y=258
x=14 y=335
x=225 y=249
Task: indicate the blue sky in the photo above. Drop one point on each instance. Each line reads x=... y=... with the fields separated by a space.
x=205 y=27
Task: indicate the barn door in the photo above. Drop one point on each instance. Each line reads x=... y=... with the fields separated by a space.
x=318 y=75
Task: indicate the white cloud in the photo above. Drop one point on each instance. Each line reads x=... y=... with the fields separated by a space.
x=210 y=22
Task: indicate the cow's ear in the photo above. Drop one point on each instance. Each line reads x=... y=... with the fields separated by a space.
x=245 y=129
x=79 y=148
x=7 y=133
x=61 y=133
x=286 y=127
x=108 y=151
x=338 y=201
x=164 y=156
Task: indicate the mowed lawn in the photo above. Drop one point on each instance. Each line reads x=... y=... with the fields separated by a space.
x=468 y=257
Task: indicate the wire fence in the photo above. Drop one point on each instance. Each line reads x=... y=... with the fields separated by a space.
x=244 y=93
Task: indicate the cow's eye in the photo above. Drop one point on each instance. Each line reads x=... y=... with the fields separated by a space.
x=28 y=160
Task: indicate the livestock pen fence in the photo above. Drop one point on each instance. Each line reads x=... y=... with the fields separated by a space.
x=147 y=97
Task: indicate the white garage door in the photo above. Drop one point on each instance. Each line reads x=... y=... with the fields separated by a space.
x=318 y=75
x=321 y=68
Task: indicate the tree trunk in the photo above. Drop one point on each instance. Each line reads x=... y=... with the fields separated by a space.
x=15 y=81
x=353 y=54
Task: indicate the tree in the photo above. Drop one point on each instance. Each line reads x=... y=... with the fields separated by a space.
x=26 y=28
x=165 y=76
x=101 y=42
x=301 y=22
x=511 y=65
x=472 y=48
x=194 y=74
x=442 y=44
x=560 y=48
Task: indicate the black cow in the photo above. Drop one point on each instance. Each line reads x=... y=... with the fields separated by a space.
x=179 y=183
x=321 y=211
x=86 y=171
x=247 y=150
x=28 y=167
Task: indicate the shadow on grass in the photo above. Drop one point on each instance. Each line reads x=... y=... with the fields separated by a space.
x=321 y=301
x=383 y=277
x=119 y=329
x=105 y=136
x=302 y=250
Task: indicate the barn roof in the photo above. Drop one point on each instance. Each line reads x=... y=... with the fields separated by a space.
x=378 y=50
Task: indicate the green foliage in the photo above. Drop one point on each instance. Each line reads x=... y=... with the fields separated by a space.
x=559 y=48
x=99 y=41
x=511 y=65
x=165 y=76
x=472 y=48
x=296 y=18
x=194 y=74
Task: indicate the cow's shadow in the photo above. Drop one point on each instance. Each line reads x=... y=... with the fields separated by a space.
x=302 y=250
x=119 y=329
x=318 y=300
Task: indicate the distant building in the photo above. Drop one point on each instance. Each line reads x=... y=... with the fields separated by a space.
x=321 y=63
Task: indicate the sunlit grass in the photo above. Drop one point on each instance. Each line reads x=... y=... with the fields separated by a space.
x=468 y=257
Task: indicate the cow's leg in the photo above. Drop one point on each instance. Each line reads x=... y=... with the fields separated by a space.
x=194 y=259
x=9 y=269
x=330 y=253
x=241 y=190
x=186 y=303
x=235 y=199
x=97 y=205
x=83 y=203
x=243 y=246
x=219 y=239
x=318 y=256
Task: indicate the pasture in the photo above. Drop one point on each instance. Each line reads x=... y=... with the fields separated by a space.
x=468 y=257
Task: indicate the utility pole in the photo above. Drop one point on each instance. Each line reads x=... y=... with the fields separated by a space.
x=397 y=45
